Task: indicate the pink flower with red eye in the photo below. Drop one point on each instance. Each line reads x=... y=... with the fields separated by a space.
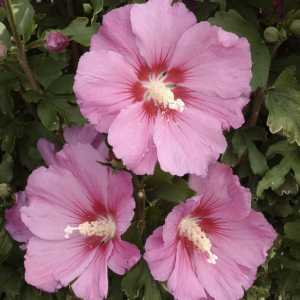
x=163 y=86
x=73 y=135
x=78 y=209
x=211 y=246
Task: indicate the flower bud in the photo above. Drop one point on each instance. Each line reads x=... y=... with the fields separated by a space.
x=295 y=27
x=4 y=190
x=56 y=41
x=3 y=50
x=88 y=9
x=271 y=34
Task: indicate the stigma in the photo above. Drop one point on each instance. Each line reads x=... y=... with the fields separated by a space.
x=161 y=93
x=104 y=227
x=190 y=229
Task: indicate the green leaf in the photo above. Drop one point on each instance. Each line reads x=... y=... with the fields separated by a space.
x=283 y=103
x=47 y=68
x=10 y=282
x=233 y=22
x=292 y=230
x=98 y=7
x=24 y=17
x=79 y=31
x=48 y=115
x=4 y=35
x=276 y=176
x=5 y=245
x=63 y=85
x=257 y=160
x=6 y=169
x=139 y=284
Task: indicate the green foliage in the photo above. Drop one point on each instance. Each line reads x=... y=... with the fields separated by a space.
x=265 y=152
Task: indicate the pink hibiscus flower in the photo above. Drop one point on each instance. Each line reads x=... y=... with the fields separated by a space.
x=164 y=86
x=211 y=245
x=77 y=211
x=73 y=135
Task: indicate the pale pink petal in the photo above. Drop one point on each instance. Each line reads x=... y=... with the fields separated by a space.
x=214 y=62
x=246 y=242
x=47 y=220
x=228 y=111
x=57 y=199
x=116 y=34
x=188 y=143
x=14 y=225
x=173 y=219
x=131 y=137
x=84 y=162
x=224 y=280
x=47 y=151
x=158 y=25
x=49 y=265
x=103 y=86
x=160 y=256
x=183 y=282
x=222 y=195
x=84 y=135
x=121 y=203
x=123 y=257
x=93 y=283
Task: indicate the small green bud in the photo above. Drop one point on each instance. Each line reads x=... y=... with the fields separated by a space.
x=283 y=34
x=295 y=27
x=4 y=190
x=88 y=9
x=271 y=34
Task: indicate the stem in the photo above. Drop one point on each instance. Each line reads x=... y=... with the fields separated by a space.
x=21 y=53
x=140 y=203
x=259 y=98
x=74 y=46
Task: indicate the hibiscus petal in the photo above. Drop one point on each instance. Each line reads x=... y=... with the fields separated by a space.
x=57 y=188
x=121 y=202
x=14 y=224
x=123 y=257
x=223 y=280
x=182 y=140
x=83 y=135
x=131 y=137
x=47 y=151
x=103 y=86
x=246 y=242
x=230 y=200
x=183 y=282
x=215 y=62
x=160 y=257
x=93 y=283
x=116 y=34
x=49 y=265
x=156 y=40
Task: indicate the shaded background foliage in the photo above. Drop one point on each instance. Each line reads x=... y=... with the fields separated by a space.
x=36 y=100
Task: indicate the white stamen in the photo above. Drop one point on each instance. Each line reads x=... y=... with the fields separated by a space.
x=161 y=93
x=189 y=228
x=104 y=227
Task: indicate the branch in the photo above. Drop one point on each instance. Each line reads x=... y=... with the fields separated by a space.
x=21 y=52
x=259 y=98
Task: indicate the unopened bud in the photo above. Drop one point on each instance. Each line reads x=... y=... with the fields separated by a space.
x=56 y=41
x=3 y=50
x=271 y=34
x=295 y=27
x=4 y=190
x=88 y=9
